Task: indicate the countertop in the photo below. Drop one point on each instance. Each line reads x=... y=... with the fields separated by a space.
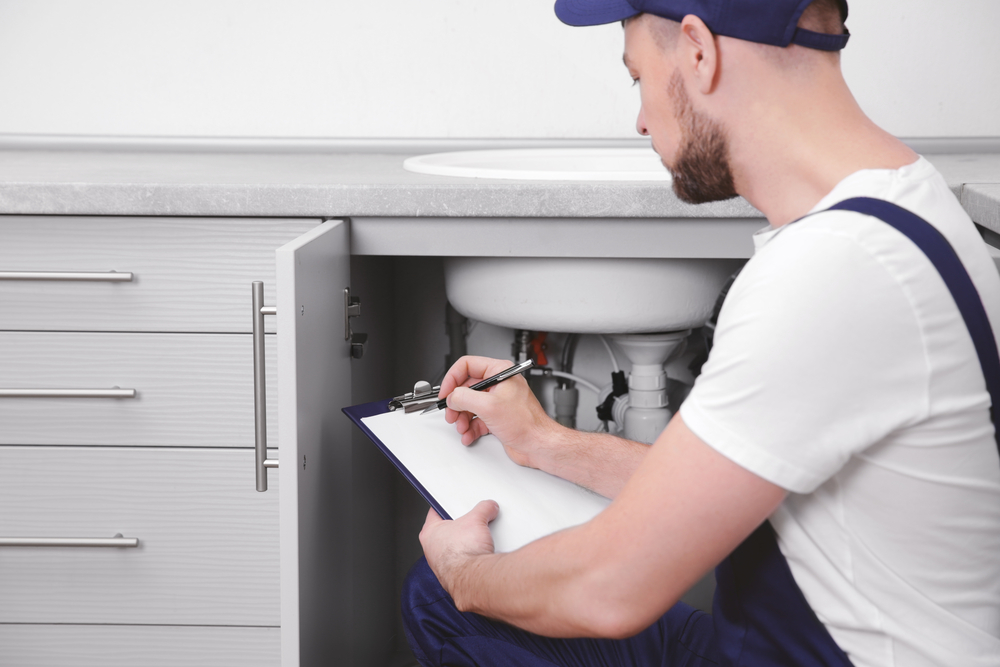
x=201 y=183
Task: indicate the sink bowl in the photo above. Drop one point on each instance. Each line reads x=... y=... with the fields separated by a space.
x=576 y=295
x=546 y=164
x=587 y=295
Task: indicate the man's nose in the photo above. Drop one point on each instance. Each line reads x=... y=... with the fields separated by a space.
x=640 y=123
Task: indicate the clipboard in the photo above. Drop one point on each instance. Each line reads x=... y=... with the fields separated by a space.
x=359 y=412
x=452 y=478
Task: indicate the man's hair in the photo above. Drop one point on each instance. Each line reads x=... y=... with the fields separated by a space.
x=822 y=16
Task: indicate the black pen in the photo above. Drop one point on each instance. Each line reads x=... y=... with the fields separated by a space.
x=487 y=383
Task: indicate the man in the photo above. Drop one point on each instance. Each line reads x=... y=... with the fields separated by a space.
x=843 y=401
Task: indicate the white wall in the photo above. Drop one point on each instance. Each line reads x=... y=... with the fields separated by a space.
x=925 y=68
x=426 y=68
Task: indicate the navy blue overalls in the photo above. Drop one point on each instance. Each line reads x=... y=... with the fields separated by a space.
x=759 y=615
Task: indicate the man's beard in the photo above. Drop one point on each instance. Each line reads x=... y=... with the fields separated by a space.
x=701 y=172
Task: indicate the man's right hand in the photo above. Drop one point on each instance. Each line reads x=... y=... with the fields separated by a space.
x=598 y=461
x=508 y=410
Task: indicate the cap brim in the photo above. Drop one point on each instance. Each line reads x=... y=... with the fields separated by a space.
x=594 y=12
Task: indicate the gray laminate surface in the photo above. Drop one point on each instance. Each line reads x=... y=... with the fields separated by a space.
x=358 y=184
x=982 y=201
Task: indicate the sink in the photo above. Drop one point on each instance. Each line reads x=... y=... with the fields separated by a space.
x=576 y=295
x=587 y=295
x=546 y=164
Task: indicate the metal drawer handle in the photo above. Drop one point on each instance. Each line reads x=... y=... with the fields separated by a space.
x=72 y=276
x=67 y=393
x=116 y=541
x=260 y=387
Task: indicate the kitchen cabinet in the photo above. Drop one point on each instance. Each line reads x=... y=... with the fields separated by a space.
x=154 y=317
x=172 y=464
x=304 y=573
x=313 y=559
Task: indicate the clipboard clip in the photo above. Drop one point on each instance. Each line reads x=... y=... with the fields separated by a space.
x=422 y=396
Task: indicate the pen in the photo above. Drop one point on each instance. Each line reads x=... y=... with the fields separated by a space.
x=487 y=383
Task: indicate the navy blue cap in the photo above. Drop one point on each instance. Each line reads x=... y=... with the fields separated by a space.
x=764 y=21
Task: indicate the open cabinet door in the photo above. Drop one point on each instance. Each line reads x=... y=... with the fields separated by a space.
x=314 y=383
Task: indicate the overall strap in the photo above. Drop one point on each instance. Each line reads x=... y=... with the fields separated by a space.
x=963 y=291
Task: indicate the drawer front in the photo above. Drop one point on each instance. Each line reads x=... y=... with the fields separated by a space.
x=192 y=390
x=208 y=542
x=132 y=645
x=189 y=274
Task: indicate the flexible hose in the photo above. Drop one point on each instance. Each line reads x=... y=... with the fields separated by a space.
x=568 y=351
x=611 y=353
x=568 y=376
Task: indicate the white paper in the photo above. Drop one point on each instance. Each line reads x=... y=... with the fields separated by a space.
x=532 y=503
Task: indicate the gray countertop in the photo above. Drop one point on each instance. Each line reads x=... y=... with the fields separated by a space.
x=982 y=201
x=128 y=182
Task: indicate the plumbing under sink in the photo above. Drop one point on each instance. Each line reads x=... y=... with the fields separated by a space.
x=635 y=298
x=648 y=305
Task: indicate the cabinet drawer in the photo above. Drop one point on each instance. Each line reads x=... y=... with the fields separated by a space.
x=208 y=542
x=192 y=390
x=189 y=274
x=131 y=645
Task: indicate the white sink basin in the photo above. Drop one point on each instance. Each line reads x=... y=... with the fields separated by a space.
x=575 y=295
x=587 y=295
x=546 y=164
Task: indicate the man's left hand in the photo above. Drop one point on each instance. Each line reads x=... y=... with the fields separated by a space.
x=450 y=546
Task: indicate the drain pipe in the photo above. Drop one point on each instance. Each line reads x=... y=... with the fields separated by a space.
x=648 y=413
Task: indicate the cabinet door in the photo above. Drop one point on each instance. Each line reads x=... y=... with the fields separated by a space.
x=314 y=383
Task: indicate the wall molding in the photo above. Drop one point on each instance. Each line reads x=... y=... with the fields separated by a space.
x=55 y=142
x=65 y=142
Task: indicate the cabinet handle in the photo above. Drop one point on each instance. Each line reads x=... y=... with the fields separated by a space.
x=260 y=387
x=72 y=276
x=67 y=393
x=116 y=541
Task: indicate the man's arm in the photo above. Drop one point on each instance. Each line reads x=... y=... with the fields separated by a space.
x=685 y=508
x=599 y=461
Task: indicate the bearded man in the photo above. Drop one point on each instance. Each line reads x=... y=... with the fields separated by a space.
x=836 y=459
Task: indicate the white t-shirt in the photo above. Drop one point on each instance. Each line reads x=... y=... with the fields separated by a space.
x=843 y=372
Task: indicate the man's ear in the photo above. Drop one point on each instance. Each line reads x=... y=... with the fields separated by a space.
x=699 y=53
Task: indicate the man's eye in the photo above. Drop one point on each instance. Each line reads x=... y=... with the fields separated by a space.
x=635 y=81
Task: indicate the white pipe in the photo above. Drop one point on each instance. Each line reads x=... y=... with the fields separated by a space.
x=568 y=376
x=611 y=353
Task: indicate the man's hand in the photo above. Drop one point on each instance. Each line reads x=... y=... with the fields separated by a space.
x=508 y=410
x=682 y=511
x=450 y=546
x=598 y=461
